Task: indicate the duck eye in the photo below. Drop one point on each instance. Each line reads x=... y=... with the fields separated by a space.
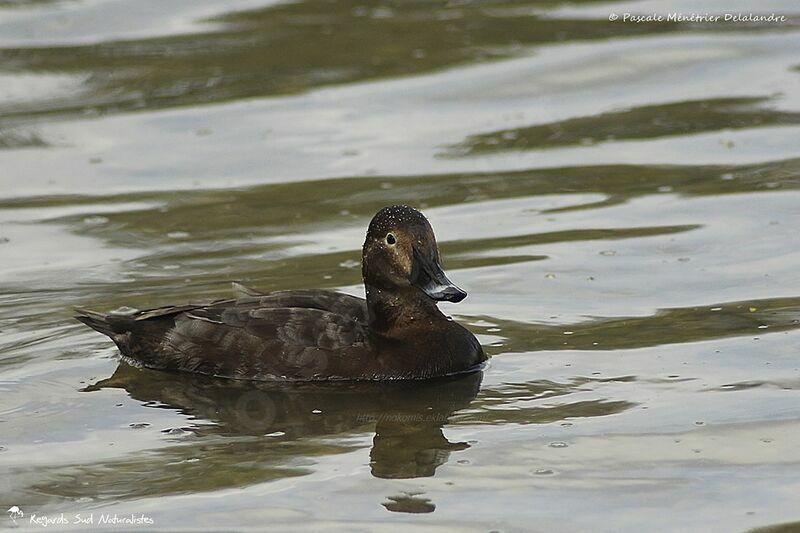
x=390 y=239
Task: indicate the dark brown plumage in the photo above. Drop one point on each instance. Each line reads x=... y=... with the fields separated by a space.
x=398 y=332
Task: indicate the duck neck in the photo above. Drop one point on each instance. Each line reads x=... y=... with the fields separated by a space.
x=398 y=309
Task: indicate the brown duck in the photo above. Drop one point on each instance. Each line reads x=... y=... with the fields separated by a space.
x=398 y=332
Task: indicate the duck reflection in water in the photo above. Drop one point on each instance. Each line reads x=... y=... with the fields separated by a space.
x=407 y=416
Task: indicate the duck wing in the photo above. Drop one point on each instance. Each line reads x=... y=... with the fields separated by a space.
x=240 y=290
x=325 y=300
x=259 y=338
x=249 y=341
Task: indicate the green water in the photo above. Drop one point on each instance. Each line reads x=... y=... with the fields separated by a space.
x=621 y=201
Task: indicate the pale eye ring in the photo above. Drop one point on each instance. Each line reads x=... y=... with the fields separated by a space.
x=390 y=239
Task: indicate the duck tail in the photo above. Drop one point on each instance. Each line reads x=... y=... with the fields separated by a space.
x=96 y=321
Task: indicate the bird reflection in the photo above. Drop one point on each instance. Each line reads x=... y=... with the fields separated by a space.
x=407 y=417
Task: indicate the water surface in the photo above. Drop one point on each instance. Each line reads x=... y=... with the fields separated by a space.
x=620 y=200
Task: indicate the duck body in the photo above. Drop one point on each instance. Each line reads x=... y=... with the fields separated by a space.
x=397 y=332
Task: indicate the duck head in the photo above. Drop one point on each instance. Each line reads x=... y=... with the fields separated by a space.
x=400 y=252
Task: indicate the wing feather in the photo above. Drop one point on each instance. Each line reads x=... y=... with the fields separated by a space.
x=267 y=342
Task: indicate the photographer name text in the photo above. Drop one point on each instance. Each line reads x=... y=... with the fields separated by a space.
x=697 y=17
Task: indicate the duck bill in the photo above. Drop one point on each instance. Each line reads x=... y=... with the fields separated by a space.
x=427 y=275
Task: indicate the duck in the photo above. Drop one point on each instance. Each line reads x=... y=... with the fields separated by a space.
x=396 y=333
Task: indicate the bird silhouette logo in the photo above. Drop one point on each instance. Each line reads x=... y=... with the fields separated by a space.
x=15 y=512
